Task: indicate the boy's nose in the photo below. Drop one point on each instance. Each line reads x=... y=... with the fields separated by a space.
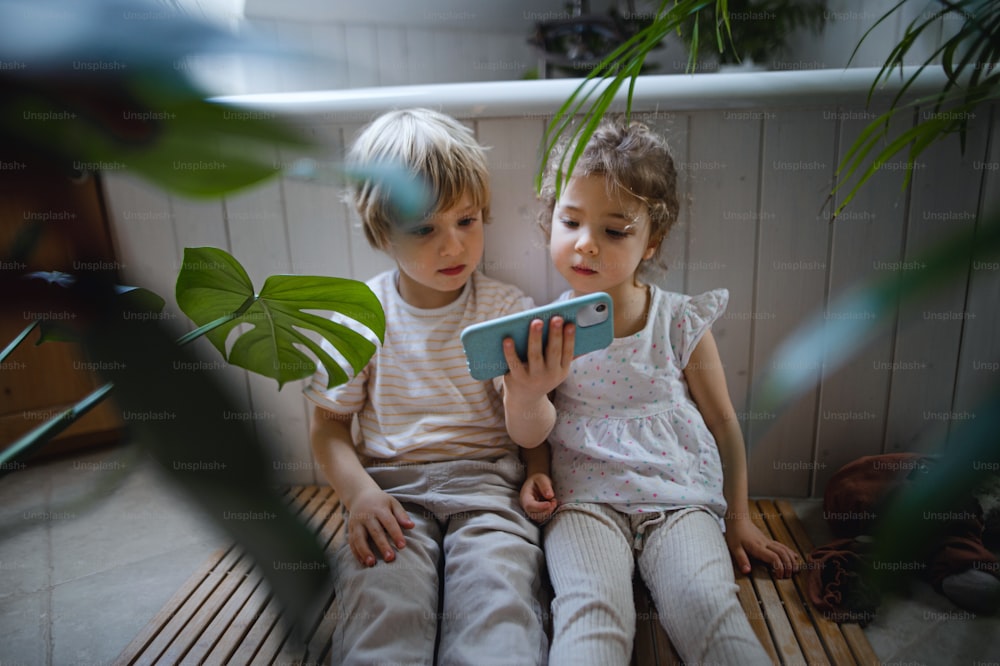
x=451 y=244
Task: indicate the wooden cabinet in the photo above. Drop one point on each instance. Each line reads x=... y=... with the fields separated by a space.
x=38 y=382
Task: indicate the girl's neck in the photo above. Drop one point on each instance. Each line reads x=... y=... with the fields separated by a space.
x=631 y=307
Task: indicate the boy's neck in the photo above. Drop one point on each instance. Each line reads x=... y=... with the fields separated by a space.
x=423 y=297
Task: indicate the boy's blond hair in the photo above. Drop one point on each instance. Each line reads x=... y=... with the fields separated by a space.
x=634 y=159
x=437 y=149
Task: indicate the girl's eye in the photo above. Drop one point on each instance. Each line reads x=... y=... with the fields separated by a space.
x=422 y=231
x=617 y=233
x=467 y=221
x=569 y=224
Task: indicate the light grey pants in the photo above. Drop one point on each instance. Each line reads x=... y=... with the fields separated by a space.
x=591 y=550
x=465 y=586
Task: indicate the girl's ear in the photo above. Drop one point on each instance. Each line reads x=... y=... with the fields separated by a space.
x=654 y=245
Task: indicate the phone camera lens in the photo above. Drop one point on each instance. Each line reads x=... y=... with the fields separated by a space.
x=601 y=307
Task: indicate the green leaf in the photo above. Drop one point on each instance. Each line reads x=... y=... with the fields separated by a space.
x=212 y=286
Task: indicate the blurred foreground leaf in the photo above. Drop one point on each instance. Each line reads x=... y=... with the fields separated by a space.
x=832 y=337
x=919 y=515
x=101 y=85
x=194 y=431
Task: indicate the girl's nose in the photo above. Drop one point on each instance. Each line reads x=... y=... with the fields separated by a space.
x=585 y=243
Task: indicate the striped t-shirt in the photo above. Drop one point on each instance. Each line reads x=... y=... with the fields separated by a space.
x=415 y=400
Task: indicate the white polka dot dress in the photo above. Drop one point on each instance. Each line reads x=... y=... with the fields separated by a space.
x=628 y=433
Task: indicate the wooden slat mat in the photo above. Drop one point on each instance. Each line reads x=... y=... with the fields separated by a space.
x=224 y=614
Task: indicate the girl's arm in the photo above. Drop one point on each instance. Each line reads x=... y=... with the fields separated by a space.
x=375 y=516
x=538 y=499
x=707 y=382
x=528 y=411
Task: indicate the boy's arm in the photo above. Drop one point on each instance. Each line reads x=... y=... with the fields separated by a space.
x=373 y=513
x=707 y=382
x=528 y=412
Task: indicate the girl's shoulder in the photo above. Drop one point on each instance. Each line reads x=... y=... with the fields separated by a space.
x=672 y=305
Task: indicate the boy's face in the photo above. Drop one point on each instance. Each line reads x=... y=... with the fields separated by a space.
x=437 y=255
x=598 y=238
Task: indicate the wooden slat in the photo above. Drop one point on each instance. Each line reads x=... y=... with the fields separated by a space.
x=225 y=614
x=265 y=622
x=236 y=634
x=140 y=645
x=196 y=628
x=795 y=604
x=777 y=621
x=179 y=620
x=246 y=583
x=830 y=632
x=860 y=646
x=755 y=614
x=643 y=647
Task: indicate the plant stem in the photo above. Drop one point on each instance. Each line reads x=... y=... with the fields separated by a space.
x=21 y=336
x=54 y=426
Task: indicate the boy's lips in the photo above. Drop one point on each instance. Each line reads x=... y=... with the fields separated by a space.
x=453 y=270
x=583 y=270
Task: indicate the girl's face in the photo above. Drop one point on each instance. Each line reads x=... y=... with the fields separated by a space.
x=437 y=255
x=599 y=237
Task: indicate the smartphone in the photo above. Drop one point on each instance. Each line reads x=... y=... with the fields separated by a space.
x=483 y=342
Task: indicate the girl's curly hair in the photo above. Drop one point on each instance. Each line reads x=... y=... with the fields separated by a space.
x=634 y=160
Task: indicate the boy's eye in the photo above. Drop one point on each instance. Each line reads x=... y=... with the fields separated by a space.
x=422 y=230
x=467 y=221
x=569 y=224
x=617 y=233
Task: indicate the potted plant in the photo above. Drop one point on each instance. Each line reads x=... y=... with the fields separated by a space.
x=756 y=32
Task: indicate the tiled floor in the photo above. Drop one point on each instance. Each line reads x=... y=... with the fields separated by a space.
x=92 y=547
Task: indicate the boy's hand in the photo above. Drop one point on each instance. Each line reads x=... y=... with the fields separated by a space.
x=745 y=541
x=376 y=517
x=537 y=497
x=541 y=372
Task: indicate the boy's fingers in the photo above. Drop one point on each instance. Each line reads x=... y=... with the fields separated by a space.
x=358 y=539
x=374 y=525
x=392 y=526
x=402 y=517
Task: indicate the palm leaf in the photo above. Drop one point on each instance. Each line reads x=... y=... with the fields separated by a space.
x=965 y=87
x=604 y=82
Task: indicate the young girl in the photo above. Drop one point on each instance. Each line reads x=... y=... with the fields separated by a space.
x=648 y=461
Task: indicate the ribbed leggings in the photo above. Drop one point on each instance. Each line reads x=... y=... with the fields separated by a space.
x=591 y=551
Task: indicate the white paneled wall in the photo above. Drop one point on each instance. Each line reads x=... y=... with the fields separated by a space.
x=399 y=42
x=757 y=154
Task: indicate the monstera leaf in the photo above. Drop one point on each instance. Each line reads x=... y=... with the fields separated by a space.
x=215 y=291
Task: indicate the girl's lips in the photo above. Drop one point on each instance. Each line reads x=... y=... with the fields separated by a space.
x=454 y=270
x=583 y=270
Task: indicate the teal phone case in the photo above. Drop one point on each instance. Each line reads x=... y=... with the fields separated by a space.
x=483 y=342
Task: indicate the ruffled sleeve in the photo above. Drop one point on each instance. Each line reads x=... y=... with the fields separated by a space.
x=691 y=318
